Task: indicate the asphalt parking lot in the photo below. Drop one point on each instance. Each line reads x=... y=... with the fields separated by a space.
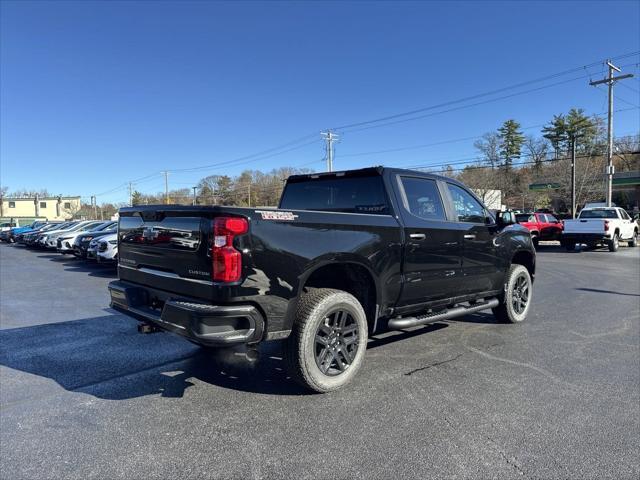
x=83 y=395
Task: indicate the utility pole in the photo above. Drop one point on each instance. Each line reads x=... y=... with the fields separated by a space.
x=249 y=187
x=329 y=137
x=166 y=186
x=194 y=194
x=130 y=194
x=610 y=80
x=95 y=206
x=573 y=177
x=574 y=138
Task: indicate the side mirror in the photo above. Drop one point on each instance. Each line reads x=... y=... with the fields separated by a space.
x=505 y=218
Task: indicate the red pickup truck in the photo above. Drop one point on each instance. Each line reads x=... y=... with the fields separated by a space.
x=543 y=226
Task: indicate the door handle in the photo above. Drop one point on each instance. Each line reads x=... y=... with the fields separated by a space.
x=417 y=236
x=469 y=237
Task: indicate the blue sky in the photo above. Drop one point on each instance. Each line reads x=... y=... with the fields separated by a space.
x=94 y=94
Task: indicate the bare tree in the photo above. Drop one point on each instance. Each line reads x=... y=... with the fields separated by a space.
x=537 y=150
x=489 y=148
x=627 y=153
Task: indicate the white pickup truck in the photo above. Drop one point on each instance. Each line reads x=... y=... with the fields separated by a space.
x=600 y=226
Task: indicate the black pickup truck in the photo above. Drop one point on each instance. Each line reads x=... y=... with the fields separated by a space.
x=346 y=255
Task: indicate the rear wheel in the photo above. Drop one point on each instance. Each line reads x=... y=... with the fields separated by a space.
x=517 y=297
x=329 y=338
x=614 y=243
x=570 y=246
x=634 y=240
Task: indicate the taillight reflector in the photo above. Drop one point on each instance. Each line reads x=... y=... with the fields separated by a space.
x=606 y=225
x=226 y=260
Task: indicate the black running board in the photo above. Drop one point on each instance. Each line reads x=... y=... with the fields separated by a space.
x=406 y=322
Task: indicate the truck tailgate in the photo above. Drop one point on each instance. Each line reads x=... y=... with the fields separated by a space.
x=168 y=248
x=591 y=225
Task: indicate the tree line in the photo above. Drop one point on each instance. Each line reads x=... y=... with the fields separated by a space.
x=514 y=163
x=250 y=188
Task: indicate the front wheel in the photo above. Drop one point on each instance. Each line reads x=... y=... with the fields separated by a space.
x=517 y=297
x=329 y=338
x=614 y=243
x=634 y=240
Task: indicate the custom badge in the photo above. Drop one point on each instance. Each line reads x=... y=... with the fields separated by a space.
x=277 y=215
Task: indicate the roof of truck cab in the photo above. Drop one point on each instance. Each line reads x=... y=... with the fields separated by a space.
x=379 y=170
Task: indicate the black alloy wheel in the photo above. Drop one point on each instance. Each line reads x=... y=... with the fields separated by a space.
x=336 y=343
x=520 y=297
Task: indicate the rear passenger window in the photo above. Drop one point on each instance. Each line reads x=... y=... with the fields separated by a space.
x=422 y=198
x=466 y=208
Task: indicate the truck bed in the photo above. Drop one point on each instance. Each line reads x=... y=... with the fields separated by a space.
x=168 y=249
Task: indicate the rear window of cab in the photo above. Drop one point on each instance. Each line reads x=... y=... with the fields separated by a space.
x=364 y=194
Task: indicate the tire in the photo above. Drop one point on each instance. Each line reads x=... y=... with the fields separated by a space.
x=614 y=243
x=634 y=240
x=517 y=301
x=570 y=246
x=536 y=240
x=330 y=328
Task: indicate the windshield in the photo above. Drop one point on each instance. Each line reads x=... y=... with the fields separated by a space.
x=55 y=226
x=78 y=226
x=102 y=226
x=599 y=213
x=90 y=226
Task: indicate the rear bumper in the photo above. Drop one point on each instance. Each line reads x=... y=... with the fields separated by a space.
x=205 y=324
x=585 y=237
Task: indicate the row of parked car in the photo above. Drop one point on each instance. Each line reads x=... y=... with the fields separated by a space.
x=92 y=240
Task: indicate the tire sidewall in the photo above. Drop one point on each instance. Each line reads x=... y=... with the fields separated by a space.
x=337 y=301
x=516 y=272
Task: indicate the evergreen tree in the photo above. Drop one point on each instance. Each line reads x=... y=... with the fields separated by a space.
x=580 y=125
x=511 y=139
x=136 y=198
x=563 y=129
x=556 y=133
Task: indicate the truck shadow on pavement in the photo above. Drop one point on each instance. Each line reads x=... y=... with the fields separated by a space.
x=106 y=357
x=93 y=269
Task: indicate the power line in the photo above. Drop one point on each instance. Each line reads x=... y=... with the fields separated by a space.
x=404 y=120
x=263 y=155
x=455 y=140
x=480 y=95
x=630 y=88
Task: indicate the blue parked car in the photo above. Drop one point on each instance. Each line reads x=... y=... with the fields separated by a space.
x=9 y=235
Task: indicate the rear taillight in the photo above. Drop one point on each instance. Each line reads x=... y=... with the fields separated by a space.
x=606 y=225
x=227 y=261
